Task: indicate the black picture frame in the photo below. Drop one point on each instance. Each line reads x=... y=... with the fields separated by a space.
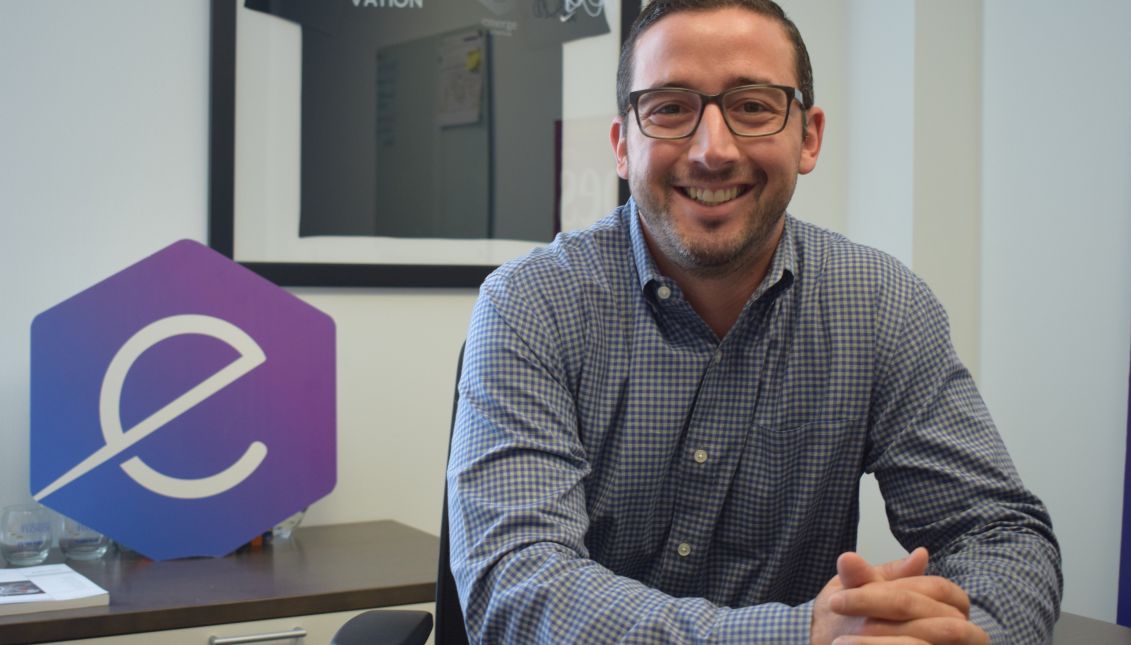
x=221 y=218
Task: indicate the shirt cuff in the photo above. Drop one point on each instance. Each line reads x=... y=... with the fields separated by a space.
x=766 y=624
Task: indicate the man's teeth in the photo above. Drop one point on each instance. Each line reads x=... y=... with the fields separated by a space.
x=708 y=196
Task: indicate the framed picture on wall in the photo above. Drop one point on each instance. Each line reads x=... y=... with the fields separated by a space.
x=414 y=143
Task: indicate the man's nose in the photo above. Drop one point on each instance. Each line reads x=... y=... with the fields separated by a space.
x=713 y=144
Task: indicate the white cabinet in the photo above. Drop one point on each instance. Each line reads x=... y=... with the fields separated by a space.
x=319 y=628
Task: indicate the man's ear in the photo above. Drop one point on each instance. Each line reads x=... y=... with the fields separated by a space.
x=617 y=134
x=811 y=140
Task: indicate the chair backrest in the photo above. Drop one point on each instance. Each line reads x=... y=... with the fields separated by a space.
x=450 y=629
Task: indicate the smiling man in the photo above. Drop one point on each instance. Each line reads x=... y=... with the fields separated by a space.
x=712 y=186
x=664 y=419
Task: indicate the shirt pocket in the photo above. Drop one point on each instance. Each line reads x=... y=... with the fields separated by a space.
x=793 y=481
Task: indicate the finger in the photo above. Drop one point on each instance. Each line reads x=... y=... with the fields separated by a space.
x=937 y=631
x=854 y=571
x=889 y=602
x=935 y=587
x=878 y=640
x=913 y=564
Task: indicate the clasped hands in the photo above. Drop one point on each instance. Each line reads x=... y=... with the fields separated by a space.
x=894 y=603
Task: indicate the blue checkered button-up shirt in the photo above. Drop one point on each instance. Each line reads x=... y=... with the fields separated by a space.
x=619 y=474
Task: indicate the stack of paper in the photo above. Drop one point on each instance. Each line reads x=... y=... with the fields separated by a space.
x=47 y=587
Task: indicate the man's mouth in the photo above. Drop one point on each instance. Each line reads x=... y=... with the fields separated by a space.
x=712 y=197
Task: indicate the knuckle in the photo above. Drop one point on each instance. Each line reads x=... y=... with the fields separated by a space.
x=951 y=631
x=939 y=587
x=905 y=605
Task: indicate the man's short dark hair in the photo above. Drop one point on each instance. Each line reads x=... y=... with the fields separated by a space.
x=657 y=9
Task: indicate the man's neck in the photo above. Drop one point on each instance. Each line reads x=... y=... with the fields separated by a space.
x=719 y=299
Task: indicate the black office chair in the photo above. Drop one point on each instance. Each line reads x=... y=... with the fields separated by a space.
x=402 y=627
x=450 y=629
x=385 y=626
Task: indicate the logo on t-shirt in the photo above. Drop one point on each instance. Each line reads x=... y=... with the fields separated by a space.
x=390 y=4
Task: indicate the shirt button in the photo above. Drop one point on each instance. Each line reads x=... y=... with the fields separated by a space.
x=684 y=549
x=700 y=456
x=663 y=292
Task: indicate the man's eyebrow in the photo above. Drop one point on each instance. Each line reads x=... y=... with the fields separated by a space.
x=751 y=80
x=734 y=82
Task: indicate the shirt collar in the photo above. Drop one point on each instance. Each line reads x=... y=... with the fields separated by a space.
x=778 y=278
x=646 y=269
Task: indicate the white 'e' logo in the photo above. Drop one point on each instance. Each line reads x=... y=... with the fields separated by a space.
x=117 y=439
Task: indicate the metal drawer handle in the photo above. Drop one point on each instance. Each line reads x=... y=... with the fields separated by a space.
x=297 y=632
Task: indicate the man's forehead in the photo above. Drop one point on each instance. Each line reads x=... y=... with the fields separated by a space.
x=744 y=46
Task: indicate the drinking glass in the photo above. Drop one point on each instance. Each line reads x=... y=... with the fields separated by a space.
x=284 y=529
x=80 y=542
x=25 y=534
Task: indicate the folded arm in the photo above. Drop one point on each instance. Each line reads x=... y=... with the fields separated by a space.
x=949 y=484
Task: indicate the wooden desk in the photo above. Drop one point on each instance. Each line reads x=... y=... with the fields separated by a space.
x=320 y=569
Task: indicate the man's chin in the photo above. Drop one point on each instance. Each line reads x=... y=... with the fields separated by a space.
x=723 y=251
x=711 y=257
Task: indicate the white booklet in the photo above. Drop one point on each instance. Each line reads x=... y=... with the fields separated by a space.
x=47 y=587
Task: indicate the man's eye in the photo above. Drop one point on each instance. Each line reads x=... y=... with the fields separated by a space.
x=670 y=109
x=752 y=107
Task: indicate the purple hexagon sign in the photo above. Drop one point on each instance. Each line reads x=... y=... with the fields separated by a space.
x=182 y=406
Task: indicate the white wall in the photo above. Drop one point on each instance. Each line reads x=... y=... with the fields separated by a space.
x=103 y=130
x=1056 y=278
x=822 y=196
x=103 y=124
x=880 y=121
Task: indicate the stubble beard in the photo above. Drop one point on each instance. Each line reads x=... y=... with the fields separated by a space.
x=711 y=257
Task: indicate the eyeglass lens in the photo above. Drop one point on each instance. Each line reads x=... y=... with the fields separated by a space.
x=749 y=111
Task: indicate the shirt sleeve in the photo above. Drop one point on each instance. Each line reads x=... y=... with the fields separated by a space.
x=517 y=509
x=949 y=484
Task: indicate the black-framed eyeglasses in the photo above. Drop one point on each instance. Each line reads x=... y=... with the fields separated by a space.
x=748 y=110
